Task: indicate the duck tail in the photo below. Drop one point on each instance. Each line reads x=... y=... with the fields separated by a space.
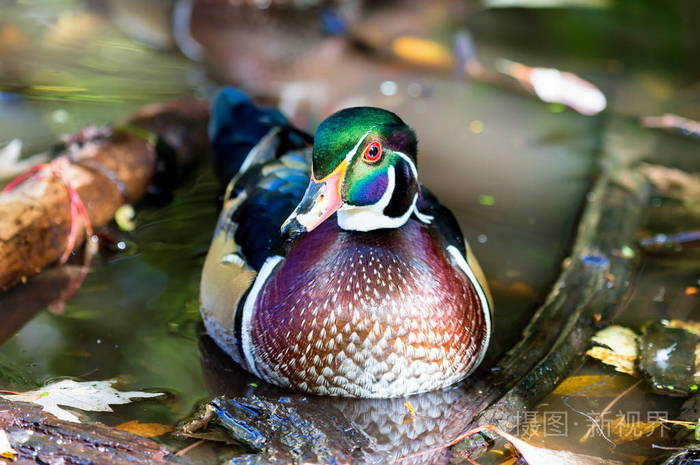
x=237 y=124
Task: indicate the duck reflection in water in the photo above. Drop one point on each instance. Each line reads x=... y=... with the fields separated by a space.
x=289 y=427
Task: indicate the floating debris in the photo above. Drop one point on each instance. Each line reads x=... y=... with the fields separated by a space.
x=683 y=125
x=554 y=86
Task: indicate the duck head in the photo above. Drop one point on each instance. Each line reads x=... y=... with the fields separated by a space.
x=363 y=168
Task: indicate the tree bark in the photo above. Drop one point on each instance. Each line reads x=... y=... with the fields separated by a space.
x=106 y=170
x=38 y=437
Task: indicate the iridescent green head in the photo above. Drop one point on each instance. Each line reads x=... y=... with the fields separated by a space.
x=363 y=167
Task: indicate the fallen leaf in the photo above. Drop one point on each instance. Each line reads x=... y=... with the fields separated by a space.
x=631 y=431
x=619 y=339
x=96 y=396
x=6 y=450
x=592 y=386
x=10 y=163
x=621 y=349
x=147 y=430
x=622 y=363
x=534 y=455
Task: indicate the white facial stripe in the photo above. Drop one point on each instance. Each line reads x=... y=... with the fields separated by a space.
x=410 y=162
x=485 y=308
x=246 y=318
x=351 y=153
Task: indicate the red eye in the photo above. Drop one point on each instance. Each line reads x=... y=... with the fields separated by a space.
x=373 y=152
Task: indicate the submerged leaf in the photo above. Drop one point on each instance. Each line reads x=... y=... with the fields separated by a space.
x=592 y=386
x=147 y=430
x=96 y=396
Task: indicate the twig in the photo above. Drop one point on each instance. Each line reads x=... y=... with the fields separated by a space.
x=606 y=410
x=187 y=449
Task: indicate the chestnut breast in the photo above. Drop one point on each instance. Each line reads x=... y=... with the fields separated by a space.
x=383 y=313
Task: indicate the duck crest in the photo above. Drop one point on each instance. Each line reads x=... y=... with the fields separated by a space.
x=371 y=314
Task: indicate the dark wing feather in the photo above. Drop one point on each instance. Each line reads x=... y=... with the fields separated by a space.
x=272 y=191
x=275 y=160
x=443 y=220
x=237 y=125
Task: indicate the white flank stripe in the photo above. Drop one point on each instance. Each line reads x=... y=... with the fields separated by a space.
x=247 y=317
x=464 y=266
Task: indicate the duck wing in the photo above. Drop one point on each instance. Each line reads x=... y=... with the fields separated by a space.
x=266 y=163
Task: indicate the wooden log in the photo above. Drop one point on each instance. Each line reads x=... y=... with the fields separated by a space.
x=106 y=170
x=38 y=437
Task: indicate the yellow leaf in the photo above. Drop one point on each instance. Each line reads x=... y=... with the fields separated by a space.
x=593 y=386
x=421 y=51
x=147 y=430
x=626 y=432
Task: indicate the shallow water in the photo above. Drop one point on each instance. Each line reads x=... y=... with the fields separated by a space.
x=514 y=171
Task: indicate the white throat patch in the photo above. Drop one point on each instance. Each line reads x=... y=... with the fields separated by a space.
x=371 y=217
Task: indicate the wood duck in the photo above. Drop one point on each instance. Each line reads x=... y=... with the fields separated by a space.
x=332 y=270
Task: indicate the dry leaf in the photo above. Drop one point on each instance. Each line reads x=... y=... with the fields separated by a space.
x=6 y=450
x=147 y=430
x=625 y=432
x=93 y=396
x=534 y=455
x=621 y=348
x=622 y=363
x=592 y=386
